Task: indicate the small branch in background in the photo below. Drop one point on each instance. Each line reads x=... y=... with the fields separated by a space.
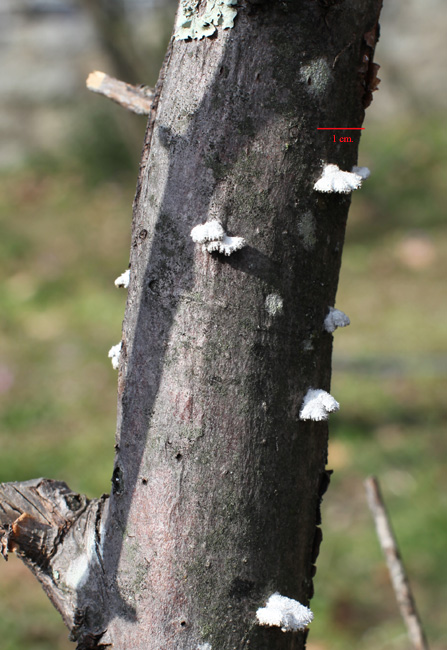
x=137 y=99
x=398 y=576
x=112 y=24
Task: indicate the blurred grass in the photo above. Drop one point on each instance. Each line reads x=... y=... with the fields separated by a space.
x=65 y=236
x=63 y=243
x=390 y=371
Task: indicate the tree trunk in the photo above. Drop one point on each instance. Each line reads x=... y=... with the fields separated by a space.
x=217 y=481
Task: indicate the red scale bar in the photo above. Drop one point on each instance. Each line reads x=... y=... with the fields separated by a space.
x=340 y=128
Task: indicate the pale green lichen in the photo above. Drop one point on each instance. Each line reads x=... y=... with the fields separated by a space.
x=192 y=24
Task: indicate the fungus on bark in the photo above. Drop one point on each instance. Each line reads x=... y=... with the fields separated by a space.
x=286 y=613
x=214 y=238
x=335 y=318
x=122 y=281
x=317 y=405
x=333 y=179
x=364 y=172
x=114 y=354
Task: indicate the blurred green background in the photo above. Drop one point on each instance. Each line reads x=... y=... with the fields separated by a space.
x=67 y=177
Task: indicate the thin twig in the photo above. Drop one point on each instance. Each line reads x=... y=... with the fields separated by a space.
x=398 y=576
x=137 y=99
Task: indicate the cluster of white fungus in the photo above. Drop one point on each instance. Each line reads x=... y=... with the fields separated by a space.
x=214 y=239
x=333 y=179
x=317 y=405
x=286 y=613
x=114 y=354
x=123 y=280
x=207 y=232
x=334 y=319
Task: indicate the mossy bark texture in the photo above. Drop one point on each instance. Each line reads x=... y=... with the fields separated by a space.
x=217 y=482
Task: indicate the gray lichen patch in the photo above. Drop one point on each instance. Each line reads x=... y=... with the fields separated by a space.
x=193 y=24
x=306 y=229
x=274 y=304
x=316 y=75
x=308 y=345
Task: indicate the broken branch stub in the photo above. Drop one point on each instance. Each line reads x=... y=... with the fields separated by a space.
x=137 y=99
x=58 y=534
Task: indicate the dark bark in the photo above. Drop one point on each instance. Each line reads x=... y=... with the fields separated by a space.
x=217 y=483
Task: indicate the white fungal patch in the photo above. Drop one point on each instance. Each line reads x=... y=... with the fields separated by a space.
x=334 y=319
x=227 y=246
x=192 y=24
x=114 y=354
x=333 y=179
x=274 y=304
x=317 y=405
x=286 y=613
x=208 y=232
x=123 y=280
x=204 y=646
x=364 y=172
x=316 y=75
x=214 y=239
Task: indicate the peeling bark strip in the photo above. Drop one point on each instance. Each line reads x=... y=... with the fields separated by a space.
x=217 y=482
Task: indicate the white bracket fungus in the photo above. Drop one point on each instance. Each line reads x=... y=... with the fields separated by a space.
x=114 y=354
x=317 y=405
x=286 y=613
x=214 y=239
x=334 y=319
x=207 y=232
x=333 y=179
x=191 y=24
x=123 y=280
